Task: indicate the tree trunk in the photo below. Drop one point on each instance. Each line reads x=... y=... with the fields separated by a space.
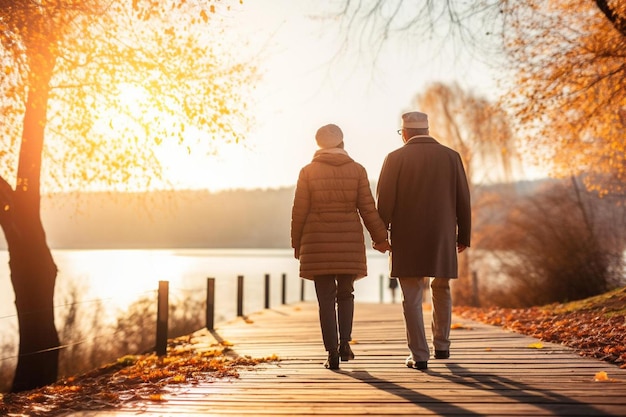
x=33 y=271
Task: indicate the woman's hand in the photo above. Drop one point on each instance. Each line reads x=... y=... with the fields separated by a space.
x=382 y=247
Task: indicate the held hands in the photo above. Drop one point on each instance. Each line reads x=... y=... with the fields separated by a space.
x=382 y=247
x=460 y=247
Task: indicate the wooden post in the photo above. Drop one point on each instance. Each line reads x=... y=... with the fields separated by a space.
x=475 y=301
x=162 y=318
x=382 y=286
x=240 y=296
x=284 y=295
x=267 y=290
x=210 y=303
x=302 y=289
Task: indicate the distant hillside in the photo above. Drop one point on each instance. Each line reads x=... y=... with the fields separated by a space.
x=182 y=219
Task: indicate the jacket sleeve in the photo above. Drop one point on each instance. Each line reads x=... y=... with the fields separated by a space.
x=300 y=209
x=463 y=206
x=367 y=209
x=386 y=190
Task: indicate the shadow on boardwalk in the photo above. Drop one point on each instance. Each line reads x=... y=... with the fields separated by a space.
x=413 y=396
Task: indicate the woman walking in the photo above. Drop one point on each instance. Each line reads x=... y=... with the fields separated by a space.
x=332 y=196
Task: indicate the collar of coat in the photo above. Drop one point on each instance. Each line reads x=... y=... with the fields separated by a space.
x=331 y=150
x=332 y=156
x=421 y=139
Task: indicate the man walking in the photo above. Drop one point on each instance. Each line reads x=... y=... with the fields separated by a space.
x=423 y=198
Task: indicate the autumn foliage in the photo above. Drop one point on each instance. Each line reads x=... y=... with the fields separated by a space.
x=568 y=95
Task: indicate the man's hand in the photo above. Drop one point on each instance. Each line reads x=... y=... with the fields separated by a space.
x=296 y=253
x=460 y=247
x=382 y=247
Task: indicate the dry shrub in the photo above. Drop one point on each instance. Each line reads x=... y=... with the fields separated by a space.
x=559 y=244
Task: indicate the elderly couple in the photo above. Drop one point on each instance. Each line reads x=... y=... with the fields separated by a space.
x=423 y=219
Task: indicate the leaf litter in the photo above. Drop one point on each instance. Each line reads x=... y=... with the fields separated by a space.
x=595 y=327
x=132 y=380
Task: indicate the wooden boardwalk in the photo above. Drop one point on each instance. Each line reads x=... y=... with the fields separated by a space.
x=491 y=372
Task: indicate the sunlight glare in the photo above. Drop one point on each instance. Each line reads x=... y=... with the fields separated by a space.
x=230 y=166
x=134 y=274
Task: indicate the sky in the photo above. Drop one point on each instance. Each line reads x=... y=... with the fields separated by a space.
x=308 y=81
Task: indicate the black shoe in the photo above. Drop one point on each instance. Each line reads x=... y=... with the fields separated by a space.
x=333 y=361
x=421 y=365
x=345 y=352
x=442 y=354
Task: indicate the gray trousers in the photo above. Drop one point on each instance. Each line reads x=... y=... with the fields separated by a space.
x=335 y=299
x=412 y=299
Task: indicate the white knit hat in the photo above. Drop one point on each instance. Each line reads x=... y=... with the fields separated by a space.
x=415 y=120
x=329 y=136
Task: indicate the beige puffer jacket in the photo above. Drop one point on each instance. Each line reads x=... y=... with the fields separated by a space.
x=332 y=196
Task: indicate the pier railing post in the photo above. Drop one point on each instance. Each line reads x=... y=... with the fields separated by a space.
x=284 y=294
x=210 y=303
x=162 y=318
x=267 y=290
x=240 y=296
x=302 y=289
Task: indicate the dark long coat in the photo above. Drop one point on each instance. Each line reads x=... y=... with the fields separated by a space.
x=333 y=194
x=423 y=197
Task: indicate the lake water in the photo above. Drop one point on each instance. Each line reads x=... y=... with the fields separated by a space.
x=117 y=278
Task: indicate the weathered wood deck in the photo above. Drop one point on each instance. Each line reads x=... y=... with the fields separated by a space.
x=491 y=372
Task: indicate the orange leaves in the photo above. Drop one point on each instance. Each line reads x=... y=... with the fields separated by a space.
x=157 y=398
x=602 y=376
x=171 y=51
x=597 y=329
x=569 y=68
x=204 y=15
x=132 y=378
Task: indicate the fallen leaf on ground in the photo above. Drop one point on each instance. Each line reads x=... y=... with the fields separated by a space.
x=595 y=327
x=131 y=379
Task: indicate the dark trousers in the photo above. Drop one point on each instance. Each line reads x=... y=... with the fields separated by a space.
x=335 y=299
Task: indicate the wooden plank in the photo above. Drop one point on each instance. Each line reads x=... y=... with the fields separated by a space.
x=490 y=372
